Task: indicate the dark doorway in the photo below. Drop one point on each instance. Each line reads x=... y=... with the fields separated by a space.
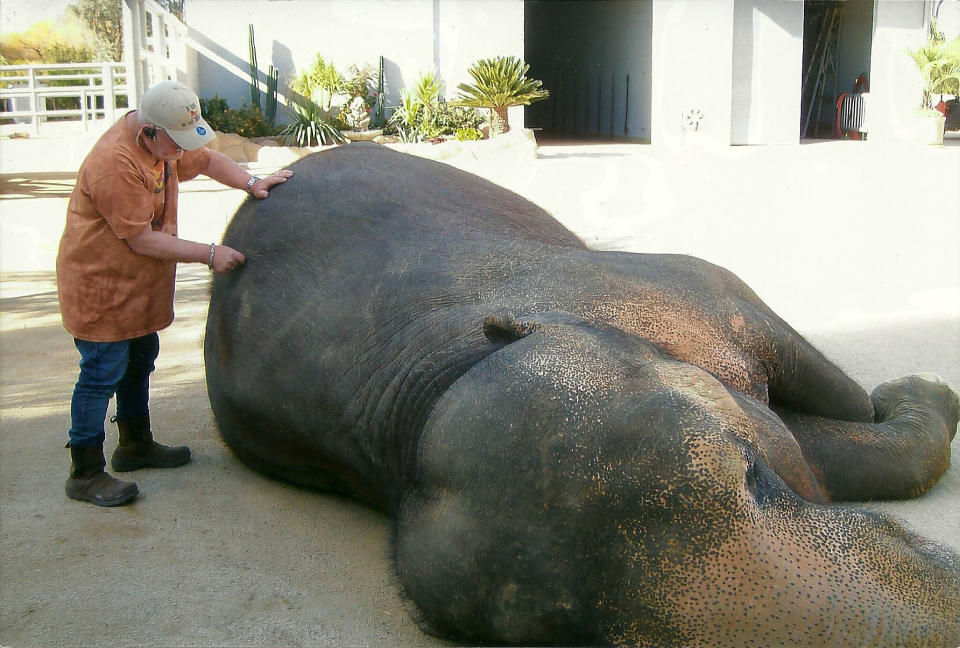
x=594 y=58
x=837 y=38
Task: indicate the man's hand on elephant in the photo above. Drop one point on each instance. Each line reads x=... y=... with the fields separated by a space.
x=260 y=187
x=226 y=259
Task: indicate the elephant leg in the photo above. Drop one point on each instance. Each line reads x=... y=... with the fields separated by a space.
x=900 y=455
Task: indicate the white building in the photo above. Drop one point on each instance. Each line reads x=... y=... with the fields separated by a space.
x=723 y=71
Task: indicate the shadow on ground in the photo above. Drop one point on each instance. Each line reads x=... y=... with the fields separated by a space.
x=53 y=184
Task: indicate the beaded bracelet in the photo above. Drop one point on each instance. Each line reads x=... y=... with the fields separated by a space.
x=213 y=248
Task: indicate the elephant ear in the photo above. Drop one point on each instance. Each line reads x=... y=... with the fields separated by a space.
x=505 y=328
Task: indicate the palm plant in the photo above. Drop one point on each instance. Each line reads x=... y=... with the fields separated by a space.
x=498 y=84
x=310 y=127
x=939 y=65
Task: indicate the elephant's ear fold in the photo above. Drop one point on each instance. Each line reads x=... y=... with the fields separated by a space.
x=504 y=329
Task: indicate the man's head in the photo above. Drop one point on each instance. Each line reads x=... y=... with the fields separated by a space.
x=174 y=107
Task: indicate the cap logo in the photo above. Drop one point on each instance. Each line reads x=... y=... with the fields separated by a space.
x=201 y=131
x=193 y=116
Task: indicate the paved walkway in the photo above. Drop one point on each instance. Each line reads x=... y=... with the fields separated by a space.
x=856 y=244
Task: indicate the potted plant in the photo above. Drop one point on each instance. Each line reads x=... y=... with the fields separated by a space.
x=498 y=84
x=939 y=64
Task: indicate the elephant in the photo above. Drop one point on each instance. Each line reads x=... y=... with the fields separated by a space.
x=576 y=447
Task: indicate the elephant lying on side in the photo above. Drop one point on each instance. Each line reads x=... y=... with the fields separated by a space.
x=578 y=447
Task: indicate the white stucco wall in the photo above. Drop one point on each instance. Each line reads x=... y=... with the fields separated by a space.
x=692 y=70
x=412 y=35
x=738 y=62
x=895 y=86
x=948 y=20
x=767 y=52
x=473 y=29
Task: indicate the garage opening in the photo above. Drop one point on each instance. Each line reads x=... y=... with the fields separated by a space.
x=837 y=37
x=594 y=56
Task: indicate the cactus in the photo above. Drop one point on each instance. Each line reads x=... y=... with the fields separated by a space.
x=378 y=119
x=273 y=77
x=254 y=82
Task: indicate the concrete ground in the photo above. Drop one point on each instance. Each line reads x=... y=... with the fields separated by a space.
x=856 y=244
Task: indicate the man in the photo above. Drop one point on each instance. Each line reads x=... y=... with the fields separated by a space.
x=116 y=269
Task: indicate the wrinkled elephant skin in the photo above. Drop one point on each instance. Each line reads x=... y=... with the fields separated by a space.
x=578 y=447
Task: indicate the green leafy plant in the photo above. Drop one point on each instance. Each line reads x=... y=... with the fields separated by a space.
x=320 y=83
x=939 y=64
x=498 y=84
x=467 y=134
x=310 y=126
x=450 y=118
x=428 y=89
x=421 y=114
x=247 y=121
x=406 y=118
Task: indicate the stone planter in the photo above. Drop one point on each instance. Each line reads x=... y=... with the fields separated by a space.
x=361 y=136
x=927 y=129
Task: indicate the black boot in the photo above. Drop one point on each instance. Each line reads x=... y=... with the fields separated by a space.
x=137 y=449
x=89 y=483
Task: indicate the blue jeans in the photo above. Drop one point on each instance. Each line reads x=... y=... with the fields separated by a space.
x=107 y=368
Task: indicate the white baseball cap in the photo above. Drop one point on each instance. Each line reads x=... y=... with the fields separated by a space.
x=174 y=107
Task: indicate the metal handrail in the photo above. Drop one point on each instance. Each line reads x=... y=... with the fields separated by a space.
x=24 y=90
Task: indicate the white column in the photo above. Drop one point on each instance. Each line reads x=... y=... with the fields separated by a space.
x=692 y=71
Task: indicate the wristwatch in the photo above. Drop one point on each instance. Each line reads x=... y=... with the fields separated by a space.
x=250 y=182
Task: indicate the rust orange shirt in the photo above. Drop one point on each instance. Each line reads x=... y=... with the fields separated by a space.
x=107 y=291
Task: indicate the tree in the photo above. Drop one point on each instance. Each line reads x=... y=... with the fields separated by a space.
x=498 y=84
x=63 y=41
x=105 y=20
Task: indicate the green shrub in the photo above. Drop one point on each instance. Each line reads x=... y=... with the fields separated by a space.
x=466 y=134
x=310 y=127
x=416 y=122
x=450 y=118
x=319 y=82
x=422 y=116
x=247 y=121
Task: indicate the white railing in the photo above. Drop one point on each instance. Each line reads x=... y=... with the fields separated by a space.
x=62 y=91
x=154 y=46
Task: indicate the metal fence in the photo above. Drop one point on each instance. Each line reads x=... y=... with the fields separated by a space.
x=38 y=94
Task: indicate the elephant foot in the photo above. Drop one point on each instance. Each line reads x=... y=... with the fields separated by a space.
x=922 y=397
x=918 y=416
